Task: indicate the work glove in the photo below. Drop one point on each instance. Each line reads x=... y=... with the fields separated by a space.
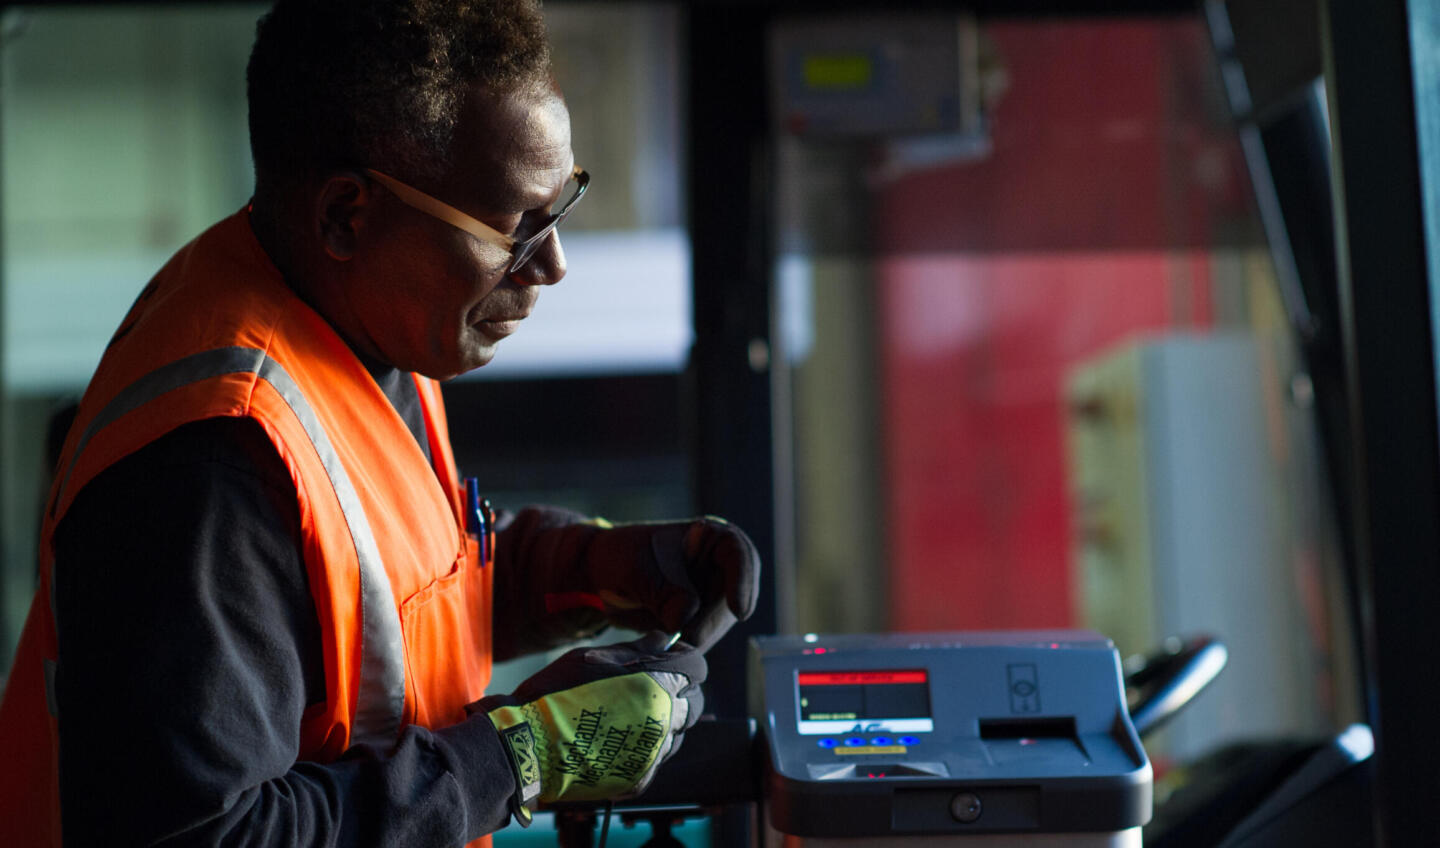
x=597 y=723
x=696 y=578
x=560 y=576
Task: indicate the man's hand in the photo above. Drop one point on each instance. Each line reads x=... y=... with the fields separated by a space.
x=693 y=577
x=560 y=576
x=597 y=722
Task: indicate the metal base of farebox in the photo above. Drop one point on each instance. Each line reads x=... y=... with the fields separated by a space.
x=1116 y=839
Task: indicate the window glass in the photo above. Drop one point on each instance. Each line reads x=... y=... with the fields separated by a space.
x=1041 y=371
x=123 y=137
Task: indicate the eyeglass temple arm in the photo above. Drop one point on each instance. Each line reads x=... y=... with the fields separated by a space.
x=442 y=210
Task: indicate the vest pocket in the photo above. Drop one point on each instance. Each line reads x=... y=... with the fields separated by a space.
x=447 y=643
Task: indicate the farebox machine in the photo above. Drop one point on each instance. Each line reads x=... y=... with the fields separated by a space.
x=965 y=739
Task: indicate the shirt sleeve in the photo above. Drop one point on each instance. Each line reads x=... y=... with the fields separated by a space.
x=189 y=652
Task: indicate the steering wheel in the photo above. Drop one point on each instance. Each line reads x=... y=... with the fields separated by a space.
x=1170 y=678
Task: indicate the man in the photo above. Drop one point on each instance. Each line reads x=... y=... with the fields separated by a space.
x=268 y=604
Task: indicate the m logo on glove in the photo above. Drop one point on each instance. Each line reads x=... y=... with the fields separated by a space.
x=520 y=744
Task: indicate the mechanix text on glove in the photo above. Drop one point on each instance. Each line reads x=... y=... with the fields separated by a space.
x=598 y=722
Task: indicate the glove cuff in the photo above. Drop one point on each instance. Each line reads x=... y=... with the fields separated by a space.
x=521 y=752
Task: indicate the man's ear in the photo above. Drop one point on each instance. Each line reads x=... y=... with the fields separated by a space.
x=342 y=208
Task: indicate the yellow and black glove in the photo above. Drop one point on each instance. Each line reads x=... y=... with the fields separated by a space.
x=597 y=723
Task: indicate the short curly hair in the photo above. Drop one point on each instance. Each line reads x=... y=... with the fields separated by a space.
x=379 y=83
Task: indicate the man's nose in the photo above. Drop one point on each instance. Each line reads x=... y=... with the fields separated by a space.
x=546 y=267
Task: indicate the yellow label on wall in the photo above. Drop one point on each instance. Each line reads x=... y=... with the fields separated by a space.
x=838 y=71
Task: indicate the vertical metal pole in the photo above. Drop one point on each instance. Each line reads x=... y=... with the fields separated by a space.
x=730 y=368
x=1425 y=62
x=1386 y=312
x=733 y=257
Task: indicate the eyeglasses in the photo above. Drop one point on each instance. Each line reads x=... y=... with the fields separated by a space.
x=520 y=251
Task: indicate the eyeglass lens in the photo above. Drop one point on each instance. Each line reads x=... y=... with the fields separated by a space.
x=526 y=249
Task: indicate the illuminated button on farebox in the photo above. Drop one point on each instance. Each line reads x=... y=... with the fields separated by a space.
x=948 y=735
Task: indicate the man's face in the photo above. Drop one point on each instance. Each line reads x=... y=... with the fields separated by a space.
x=427 y=297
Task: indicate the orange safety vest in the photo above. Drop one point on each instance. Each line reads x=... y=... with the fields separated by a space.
x=404 y=606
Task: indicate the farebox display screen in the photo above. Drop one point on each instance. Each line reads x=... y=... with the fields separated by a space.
x=864 y=701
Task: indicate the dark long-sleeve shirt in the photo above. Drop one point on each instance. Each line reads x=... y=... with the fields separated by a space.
x=190 y=652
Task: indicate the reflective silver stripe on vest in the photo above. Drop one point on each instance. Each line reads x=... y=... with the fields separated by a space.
x=166 y=378
x=381 y=698
x=382 y=657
